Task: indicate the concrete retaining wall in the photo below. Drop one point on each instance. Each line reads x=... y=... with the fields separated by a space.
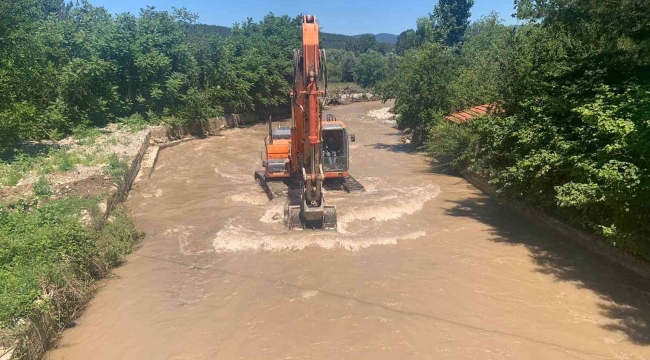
x=589 y=241
x=35 y=340
x=210 y=127
x=127 y=181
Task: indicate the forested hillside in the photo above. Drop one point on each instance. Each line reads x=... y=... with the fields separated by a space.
x=66 y=67
x=222 y=31
x=573 y=87
x=385 y=37
x=328 y=40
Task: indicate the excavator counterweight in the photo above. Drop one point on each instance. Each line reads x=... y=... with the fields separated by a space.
x=310 y=155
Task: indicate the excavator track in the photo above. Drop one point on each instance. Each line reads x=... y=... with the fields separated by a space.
x=348 y=184
x=292 y=190
x=273 y=189
x=352 y=185
x=284 y=189
x=281 y=188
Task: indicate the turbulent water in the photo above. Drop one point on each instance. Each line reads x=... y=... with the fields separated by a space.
x=422 y=266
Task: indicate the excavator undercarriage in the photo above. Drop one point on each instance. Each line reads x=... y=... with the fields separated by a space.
x=292 y=191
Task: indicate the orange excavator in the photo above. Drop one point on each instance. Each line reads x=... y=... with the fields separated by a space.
x=310 y=155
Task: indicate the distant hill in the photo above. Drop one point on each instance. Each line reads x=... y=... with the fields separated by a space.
x=334 y=41
x=337 y=41
x=328 y=41
x=384 y=37
x=210 y=29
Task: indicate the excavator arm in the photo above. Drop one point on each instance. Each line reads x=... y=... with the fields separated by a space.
x=307 y=132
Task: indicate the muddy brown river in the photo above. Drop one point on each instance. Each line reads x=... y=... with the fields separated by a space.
x=423 y=266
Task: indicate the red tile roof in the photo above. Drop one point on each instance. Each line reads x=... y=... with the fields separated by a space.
x=466 y=115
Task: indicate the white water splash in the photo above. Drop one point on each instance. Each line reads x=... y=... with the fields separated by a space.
x=237 y=178
x=237 y=238
x=381 y=114
x=274 y=214
x=253 y=197
x=409 y=200
x=184 y=241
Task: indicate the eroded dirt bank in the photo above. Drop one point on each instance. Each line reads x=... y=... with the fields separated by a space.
x=423 y=266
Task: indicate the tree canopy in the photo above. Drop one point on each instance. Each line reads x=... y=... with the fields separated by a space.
x=66 y=66
x=572 y=86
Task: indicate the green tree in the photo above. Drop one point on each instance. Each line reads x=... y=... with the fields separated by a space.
x=451 y=18
x=447 y=23
x=480 y=60
x=334 y=64
x=362 y=44
x=348 y=66
x=24 y=91
x=264 y=55
x=384 y=48
x=371 y=69
x=420 y=87
x=407 y=40
x=574 y=87
x=392 y=62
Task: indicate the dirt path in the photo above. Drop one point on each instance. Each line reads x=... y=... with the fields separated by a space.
x=423 y=266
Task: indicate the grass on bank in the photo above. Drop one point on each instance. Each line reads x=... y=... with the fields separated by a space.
x=40 y=159
x=50 y=256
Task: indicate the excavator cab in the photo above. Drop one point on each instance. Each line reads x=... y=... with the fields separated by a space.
x=335 y=148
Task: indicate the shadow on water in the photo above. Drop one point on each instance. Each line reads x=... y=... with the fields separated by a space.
x=625 y=296
x=397 y=148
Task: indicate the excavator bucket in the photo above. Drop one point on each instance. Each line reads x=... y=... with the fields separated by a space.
x=292 y=218
x=297 y=215
x=329 y=218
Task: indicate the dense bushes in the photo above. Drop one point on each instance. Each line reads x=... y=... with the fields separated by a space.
x=434 y=79
x=69 y=66
x=48 y=252
x=64 y=67
x=364 y=62
x=371 y=68
x=574 y=85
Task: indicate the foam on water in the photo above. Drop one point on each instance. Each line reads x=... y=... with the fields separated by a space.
x=274 y=214
x=252 y=197
x=237 y=238
x=381 y=114
x=366 y=209
x=306 y=295
x=183 y=234
x=230 y=175
x=407 y=200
